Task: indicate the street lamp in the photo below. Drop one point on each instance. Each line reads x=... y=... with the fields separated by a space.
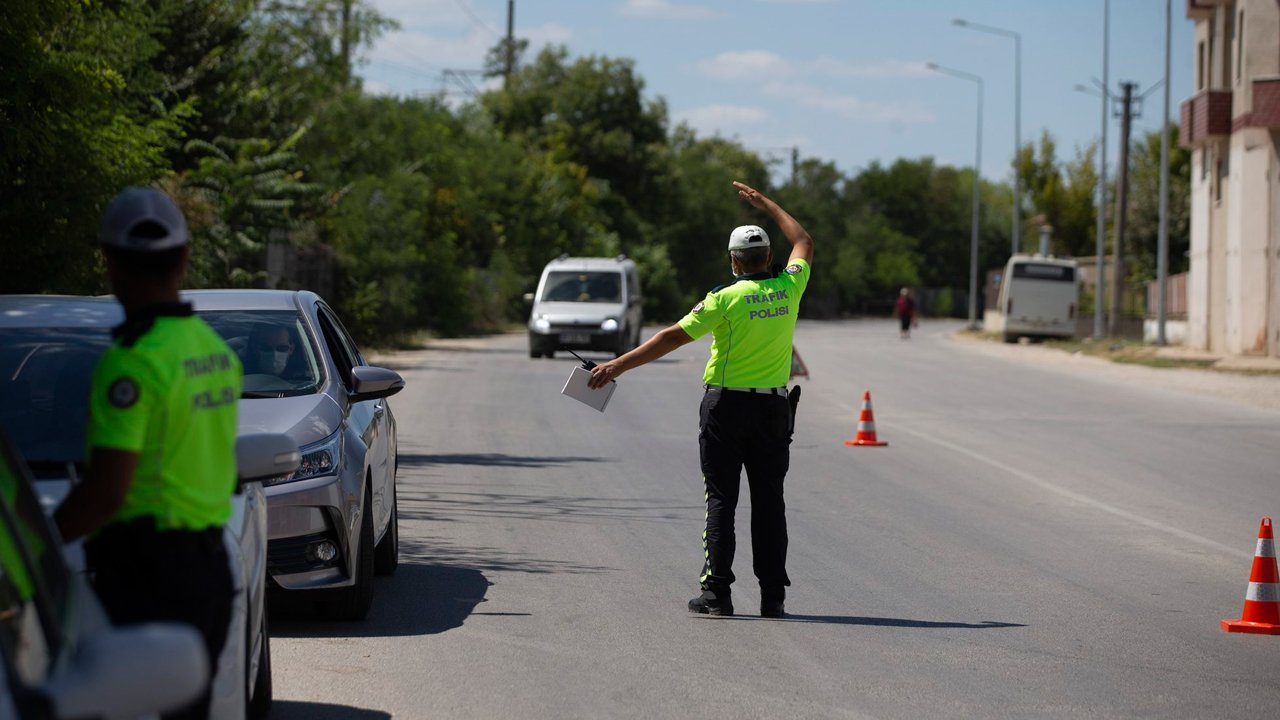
x=1016 y=242
x=977 y=188
x=1099 y=321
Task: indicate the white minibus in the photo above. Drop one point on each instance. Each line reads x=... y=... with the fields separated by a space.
x=1038 y=297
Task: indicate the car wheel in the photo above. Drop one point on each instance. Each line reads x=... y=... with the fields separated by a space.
x=550 y=353
x=1010 y=338
x=534 y=353
x=386 y=556
x=353 y=603
x=259 y=705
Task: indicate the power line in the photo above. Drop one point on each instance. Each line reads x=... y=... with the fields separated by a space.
x=462 y=4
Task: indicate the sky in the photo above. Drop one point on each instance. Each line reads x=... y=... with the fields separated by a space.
x=844 y=81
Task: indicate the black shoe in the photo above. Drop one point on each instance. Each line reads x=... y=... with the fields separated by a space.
x=771 y=608
x=708 y=604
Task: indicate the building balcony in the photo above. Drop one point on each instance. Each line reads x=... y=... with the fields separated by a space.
x=1206 y=115
x=1266 y=103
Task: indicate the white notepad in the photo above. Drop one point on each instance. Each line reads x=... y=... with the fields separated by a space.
x=576 y=387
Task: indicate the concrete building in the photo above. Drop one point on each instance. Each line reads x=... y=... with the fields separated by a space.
x=1232 y=125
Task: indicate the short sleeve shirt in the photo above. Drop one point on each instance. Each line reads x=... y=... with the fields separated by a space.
x=171 y=397
x=752 y=323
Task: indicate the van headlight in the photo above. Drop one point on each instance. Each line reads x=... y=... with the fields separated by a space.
x=542 y=324
x=317 y=459
x=609 y=325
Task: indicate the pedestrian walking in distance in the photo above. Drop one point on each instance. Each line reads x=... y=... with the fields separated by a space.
x=905 y=309
x=746 y=417
x=161 y=440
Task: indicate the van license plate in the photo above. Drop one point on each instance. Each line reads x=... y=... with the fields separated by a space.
x=575 y=338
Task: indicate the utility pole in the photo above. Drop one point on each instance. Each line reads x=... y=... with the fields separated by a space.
x=1100 y=284
x=345 y=42
x=1162 y=237
x=1122 y=206
x=795 y=164
x=511 y=44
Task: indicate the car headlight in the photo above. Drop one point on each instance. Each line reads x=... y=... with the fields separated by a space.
x=317 y=459
x=542 y=324
x=609 y=325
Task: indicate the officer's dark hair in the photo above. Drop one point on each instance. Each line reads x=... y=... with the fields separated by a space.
x=147 y=266
x=751 y=259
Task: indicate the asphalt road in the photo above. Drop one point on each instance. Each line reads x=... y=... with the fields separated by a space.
x=1033 y=542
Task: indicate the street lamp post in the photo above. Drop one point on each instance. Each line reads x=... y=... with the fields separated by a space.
x=1016 y=241
x=977 y=189
x=1099 y=320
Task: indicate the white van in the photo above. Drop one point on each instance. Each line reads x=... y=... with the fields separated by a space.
x=1039 y=296
x=586 y=304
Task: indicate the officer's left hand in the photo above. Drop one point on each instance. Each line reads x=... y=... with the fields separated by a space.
x=602 y=374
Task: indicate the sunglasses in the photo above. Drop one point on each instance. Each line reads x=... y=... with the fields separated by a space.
x=277 y=348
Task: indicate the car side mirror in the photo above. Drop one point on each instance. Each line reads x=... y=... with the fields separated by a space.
x=130 y=672
x=528 y=297
x=265 y=455
x=371 y=383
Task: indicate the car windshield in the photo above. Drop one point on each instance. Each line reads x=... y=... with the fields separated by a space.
x=278 y=354
x=44 y=391
x=597 y=286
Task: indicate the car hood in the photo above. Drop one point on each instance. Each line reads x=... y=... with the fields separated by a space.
x=305 y=418
x=578 y=313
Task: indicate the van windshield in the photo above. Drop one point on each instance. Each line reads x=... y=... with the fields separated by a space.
x=601 y=286
x=1044 y=271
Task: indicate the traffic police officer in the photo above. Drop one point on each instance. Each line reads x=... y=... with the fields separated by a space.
x=745 y=418
x=161 y=439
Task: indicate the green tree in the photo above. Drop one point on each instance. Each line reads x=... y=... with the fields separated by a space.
x=1061 y=196
x=1144 y=206
x=74 y=134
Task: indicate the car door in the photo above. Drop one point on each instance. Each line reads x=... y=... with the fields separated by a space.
x=369 y=418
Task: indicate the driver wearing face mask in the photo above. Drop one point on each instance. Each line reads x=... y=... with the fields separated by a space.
x=270 y=348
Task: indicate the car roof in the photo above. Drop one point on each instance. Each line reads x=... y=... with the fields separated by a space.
x=589 y=263
x=59 y=311
x=249 y=299
x=1045 y=259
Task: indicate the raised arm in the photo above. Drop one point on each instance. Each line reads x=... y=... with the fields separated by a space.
x=801 y=243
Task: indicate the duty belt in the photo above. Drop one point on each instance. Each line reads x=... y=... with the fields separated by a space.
x=780 y=391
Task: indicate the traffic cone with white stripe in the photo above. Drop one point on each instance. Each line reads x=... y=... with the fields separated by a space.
x=1262 y=599
x=866 y=434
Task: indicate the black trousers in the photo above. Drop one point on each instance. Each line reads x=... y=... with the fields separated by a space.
x=740 y=429
x=142 y=574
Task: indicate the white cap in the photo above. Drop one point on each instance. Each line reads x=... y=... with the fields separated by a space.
x=143 y=219
x=748 y=236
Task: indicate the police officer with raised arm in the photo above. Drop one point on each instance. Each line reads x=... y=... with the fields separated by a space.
x=161 y=439
x=745 y=418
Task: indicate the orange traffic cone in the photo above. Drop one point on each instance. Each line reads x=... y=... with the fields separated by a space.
x=1262 y=599
x=866 y=425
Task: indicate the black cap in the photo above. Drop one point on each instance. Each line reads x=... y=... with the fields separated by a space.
x=143 y=219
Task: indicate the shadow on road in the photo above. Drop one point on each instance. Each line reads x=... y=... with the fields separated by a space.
x=879 y=622
x=287 y=709
x=480 y=558
x=447 y=506
x=419 y=599
x=492 y=460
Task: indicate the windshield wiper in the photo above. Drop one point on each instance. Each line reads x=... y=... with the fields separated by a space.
x=257 y=394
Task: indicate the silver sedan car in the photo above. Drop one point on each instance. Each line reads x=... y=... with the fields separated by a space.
x=332 y=524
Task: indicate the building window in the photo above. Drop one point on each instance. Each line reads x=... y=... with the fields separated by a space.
x=1224 y=169
x=1200 y=65
x=1239 y=45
